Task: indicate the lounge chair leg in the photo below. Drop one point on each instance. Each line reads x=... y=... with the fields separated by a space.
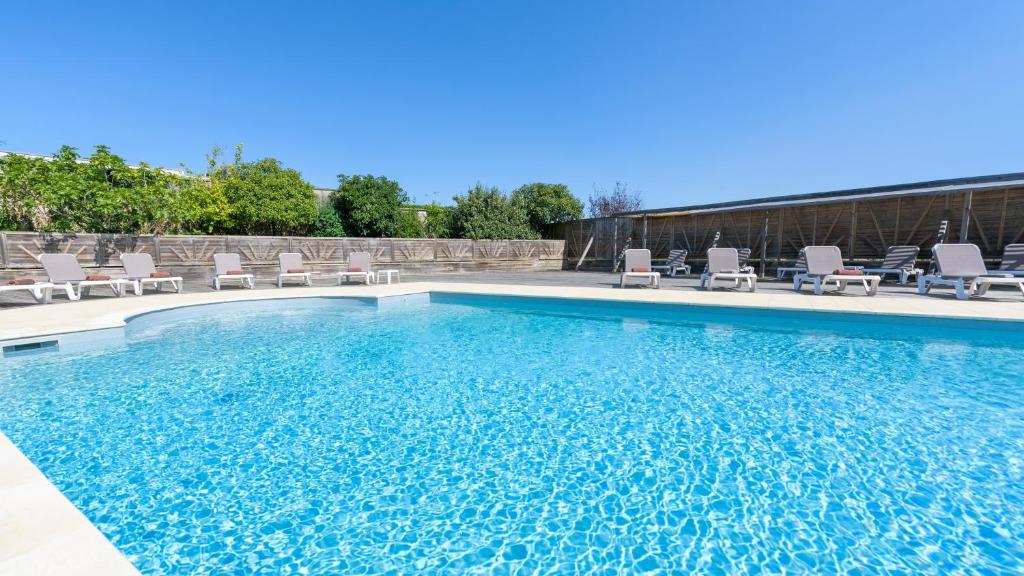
x=961 y=293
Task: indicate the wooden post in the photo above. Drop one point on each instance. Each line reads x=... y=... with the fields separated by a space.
x=156 y=248
x=615 y=243
x=3 y=249
x=764 y=243
x=778 y=249
x=645 y=231
x=965 y=218
x=1002 y=220
x=814 y=230
x=896 y=229
x=853 y=231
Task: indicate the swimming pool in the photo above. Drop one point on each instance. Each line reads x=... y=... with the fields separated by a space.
x=502 y=435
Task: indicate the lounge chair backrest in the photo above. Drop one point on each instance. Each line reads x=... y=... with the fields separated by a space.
x=723 y=260
x=676 y=257
x=744 y=255
x=900 y=258
x=290 y=261
x=137 y=265
x=359 y=260
x=225 y=262
x=801 y=260
x=823 y=260
x=62 y=267
x=1013 y=258
x=638 y=258
x=958 y=260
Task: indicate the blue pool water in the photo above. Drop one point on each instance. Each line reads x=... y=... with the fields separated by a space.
x=483 y=435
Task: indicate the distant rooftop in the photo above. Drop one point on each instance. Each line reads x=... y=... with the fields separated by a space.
x=974 y=183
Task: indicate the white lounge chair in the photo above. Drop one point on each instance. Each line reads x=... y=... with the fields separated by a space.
x=638 y=267
x=798 y=268
x=139 y=269
x=358 y=267
x=823 y=266
x=675 y=263
x=41 y=291
x=292 y=267
x=1012 y=263
x=229 y=267
x=898 y=260
x=724 y=264
x=66 y=273
x=955 y=265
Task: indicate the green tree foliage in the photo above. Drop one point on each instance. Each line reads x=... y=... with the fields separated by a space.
x=438 y=224
x=547 y=204
x=100 y=193
x=326 y=224
x=264 y=197
x=409 y=225
x=368 y=206
x=485 y=213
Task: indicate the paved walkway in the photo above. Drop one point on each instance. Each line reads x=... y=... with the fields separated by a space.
x=889 y=289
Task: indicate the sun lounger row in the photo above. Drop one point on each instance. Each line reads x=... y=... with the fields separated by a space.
x=228 y=268
x=957 y=265
x=64 y=272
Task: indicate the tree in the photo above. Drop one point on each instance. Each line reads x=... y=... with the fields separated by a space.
x=438 y=224
x=368 y=206
x=547 y=204
x=409 y=225
x=99 y=193
x=604 y=203
x=264 y=197
x=326 y=224
x=485 y=213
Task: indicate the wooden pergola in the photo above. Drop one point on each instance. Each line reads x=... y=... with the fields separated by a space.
x=863 y=222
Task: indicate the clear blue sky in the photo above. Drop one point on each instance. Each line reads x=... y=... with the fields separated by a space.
x=689 y=102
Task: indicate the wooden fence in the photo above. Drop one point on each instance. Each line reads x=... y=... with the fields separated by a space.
x=862 y=229
x=193 y=255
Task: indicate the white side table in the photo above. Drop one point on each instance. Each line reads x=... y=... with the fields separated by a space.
x=387 y=275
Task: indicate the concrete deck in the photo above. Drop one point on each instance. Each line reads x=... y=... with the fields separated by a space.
x=21 y=318
x=41 y=532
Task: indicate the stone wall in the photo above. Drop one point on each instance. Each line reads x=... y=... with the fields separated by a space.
x=192 y=256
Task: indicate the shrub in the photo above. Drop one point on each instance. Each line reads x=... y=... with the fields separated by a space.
x=101 y=193
x=547 y=204
x=266 y=198
x=409 y=225
x=327 y=223
x=485 y=213
x=369 y=206
x=438 y=224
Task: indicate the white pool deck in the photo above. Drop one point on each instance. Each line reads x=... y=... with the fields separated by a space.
x=42 y=533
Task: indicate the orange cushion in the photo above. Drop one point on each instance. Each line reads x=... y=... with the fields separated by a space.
x=21 y=282
x=159 y=274
x=845 y=272
x=641 y=269
x=97 y=277
x=296 y=270
x=354 y=269
x=236 y=272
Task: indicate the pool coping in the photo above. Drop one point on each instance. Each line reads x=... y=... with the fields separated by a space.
x=42 y=532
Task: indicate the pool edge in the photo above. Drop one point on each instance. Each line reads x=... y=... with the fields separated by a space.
x=85 y=551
